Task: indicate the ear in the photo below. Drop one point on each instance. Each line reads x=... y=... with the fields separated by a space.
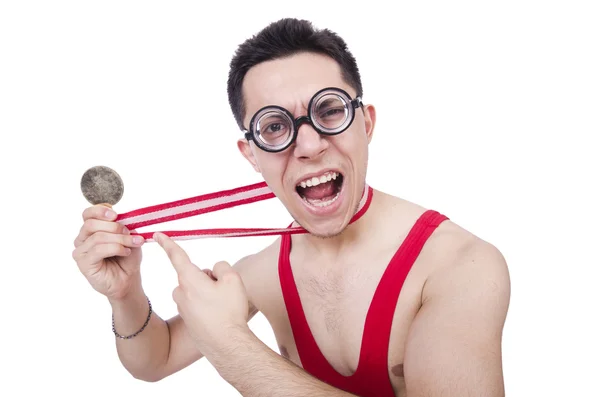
x=246 y=151
x=370 y=117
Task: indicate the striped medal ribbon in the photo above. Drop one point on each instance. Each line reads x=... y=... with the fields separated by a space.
x=211 y=202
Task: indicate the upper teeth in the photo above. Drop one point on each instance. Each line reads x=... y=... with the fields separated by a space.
x=314 y=181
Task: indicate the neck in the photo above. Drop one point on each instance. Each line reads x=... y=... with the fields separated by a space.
x=359 y=229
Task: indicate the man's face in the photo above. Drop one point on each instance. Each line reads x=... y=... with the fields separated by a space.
x=324 y=209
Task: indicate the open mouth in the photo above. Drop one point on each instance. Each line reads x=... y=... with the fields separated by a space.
x=321 y=191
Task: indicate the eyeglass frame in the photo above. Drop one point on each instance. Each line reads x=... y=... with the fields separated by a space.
x=298 y=121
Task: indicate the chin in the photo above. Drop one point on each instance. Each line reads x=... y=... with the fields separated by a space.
x=324 y=203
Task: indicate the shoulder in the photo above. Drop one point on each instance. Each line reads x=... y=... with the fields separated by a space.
x=471 y=260
x=455 y=260
x=251 y=266
x=258 y=272
x=472 y=277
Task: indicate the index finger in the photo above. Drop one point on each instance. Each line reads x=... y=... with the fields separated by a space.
x=178 y=257
x=99 y=211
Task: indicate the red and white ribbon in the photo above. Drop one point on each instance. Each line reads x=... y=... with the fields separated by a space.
x=211 y=202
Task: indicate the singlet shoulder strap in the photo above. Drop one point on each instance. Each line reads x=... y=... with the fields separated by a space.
x=378 y=323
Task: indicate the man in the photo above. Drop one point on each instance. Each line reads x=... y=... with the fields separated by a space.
x=394 y=301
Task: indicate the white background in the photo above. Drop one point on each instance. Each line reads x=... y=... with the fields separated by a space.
x=487 y=112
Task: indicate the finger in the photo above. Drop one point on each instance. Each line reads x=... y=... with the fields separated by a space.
x=92 y=226
x=108 y=238
x=178 y=257
x=100 y=252
x=221 y=269
x=177 y=295
x=99 y=211
x=209 y=273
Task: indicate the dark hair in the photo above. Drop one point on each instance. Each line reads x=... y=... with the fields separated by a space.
x=283 y=38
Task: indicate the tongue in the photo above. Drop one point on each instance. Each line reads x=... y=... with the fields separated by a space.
x=319 y=192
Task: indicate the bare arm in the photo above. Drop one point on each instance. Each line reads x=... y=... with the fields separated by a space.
x=454 y=345
x=255 y=370
x=163 y=347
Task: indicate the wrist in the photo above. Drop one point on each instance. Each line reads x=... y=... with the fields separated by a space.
x=236 y=342
x=130 y=315
x=130 y=298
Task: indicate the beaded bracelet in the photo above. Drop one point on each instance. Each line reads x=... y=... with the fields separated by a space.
x=140 y=330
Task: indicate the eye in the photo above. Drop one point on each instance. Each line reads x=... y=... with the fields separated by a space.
x=274 y=128
x=332 y=112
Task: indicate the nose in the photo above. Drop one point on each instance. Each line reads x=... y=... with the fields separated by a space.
x=309 y=143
